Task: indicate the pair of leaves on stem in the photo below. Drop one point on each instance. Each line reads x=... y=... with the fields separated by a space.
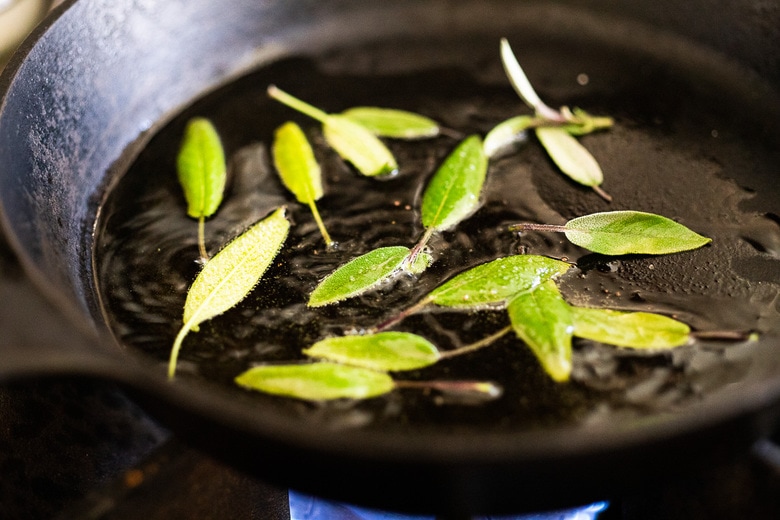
x=451 y=196
x=555 y=129
x=353 y=134
x=358 y=366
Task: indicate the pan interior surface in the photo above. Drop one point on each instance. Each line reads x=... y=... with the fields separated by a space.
x=693 y=143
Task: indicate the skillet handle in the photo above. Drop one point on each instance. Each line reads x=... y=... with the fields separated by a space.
x=37 y=339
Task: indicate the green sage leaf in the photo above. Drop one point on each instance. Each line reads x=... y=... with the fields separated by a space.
x=294 y=160
x=570 y=156
x=360 y=275
x=393 y=123
x=631 y=232
x=495 y=282
x=384 y=351
x=641 y=330
x=352 y=141
x=298 y=169
x=522 y=84
x=316 y=381
x=507 y=135
x=453 y=192
x=201 y=168
x=543 y=320
x=230 y=275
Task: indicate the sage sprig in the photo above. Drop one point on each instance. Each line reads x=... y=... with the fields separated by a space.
x=230 y=275
x=351 y=140
x=299 y=171
x=452 y=195
x=202 y=173
x=553 y=128
x=624 y=232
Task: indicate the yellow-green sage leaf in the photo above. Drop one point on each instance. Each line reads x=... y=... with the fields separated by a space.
x=631 y=232
x=356 y=144
x=570 y=156
x=201 y=168
x=640 y=330
x=298 y=169
x=316 y=381
x=384 y=351
x=453 y=192
x=522 y=84
x=230 y=275
x=508 y=135
x=393 y=123
x=352 y=141
x=543 y=320
x=360 y=275
x=495 y=282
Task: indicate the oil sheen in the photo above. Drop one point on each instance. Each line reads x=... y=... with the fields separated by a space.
x=679 y=148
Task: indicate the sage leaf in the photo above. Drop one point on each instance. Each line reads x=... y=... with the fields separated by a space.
x=352 y=141
x=359 y=146
x=384 y=351
x=522 y=84
x=298 y=169
x=508 y=135
x=570 y=156
x=495 y=282
x=393 y=123
x=202 y=173
x=230 y=275
x=360 y=275
x=543 y=320
x=453 y=192
x=640 y=330
x=316 y=381
x=201 y=168
x=631 y=232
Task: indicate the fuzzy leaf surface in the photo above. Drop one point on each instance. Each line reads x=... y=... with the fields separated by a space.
x=543 y=320
x=359 y=275
x=631 y=232
x=356 y=144
x=453 y=192
x=573 y=159
x=495 y=282
x=201 y=168
x=383 y=351
x=641 y=330
x=393 y=123
x=316 y=381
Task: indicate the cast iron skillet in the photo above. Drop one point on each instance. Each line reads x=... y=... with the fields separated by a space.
x=93 y=85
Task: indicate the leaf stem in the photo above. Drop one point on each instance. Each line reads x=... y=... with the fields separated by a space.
x=417 y=249
x=400 y=316
x=601 y=193
x=484 y=342
x=532 y=226
x=486 y=388
x=722 y=335
x=185 y=329
x=202 y=238
x=320 y=224
x=296 y=104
